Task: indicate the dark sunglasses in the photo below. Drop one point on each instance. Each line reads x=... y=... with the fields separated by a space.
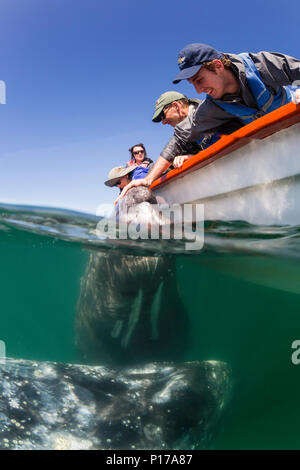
x=168 y=106
x=117 y=183
x=138 y=151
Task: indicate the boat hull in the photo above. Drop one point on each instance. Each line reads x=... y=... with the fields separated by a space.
x=258 y=182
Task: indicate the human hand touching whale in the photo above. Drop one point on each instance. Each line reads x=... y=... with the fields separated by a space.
x=132 y=184
x=160 y=166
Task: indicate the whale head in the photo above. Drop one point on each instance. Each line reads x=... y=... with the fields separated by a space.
x=138 y=195
x=140 y=207
x=47 y=405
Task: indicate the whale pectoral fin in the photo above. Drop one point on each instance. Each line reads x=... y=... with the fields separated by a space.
x=154 y=312
x=117 y=329
x=133 y=318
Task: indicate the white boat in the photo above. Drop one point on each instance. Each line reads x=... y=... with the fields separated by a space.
x=251 y=175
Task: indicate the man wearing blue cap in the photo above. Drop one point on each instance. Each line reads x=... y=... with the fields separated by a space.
x=245 y=86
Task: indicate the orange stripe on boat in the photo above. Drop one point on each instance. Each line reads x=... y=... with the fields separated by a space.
x=279 y=119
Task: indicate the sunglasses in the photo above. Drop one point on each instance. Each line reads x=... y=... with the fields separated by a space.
x=138 y=151
x=168 y=106
x=117 y=183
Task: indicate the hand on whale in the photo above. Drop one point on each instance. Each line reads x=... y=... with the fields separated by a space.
x=129 y=309
x=139 y=183
x=139 y=195
x=62 y=406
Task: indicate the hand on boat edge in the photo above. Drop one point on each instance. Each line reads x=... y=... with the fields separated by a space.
x=297 y=96
x=178 y=161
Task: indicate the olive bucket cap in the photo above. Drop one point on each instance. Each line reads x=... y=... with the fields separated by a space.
x=116 y=173
x=163 y=100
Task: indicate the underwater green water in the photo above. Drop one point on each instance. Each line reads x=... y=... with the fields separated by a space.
x=242 y=300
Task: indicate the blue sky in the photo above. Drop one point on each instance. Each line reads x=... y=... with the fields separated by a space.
x=82 y=77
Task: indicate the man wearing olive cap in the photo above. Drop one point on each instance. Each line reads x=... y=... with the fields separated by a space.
x=178 y=111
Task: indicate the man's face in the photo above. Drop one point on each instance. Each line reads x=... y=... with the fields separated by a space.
x=124 y=180
x=211 y=83
x=172 y=115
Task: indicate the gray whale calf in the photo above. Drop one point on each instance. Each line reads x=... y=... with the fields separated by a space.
x=63 y=406
x=129 y=310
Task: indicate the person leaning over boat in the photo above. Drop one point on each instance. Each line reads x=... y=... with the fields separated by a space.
x=178 y=111
x=245 y=86
x=119 y=176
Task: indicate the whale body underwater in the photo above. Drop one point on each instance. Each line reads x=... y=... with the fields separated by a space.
x=129 y=315
x=65 y=406
x=130 y=310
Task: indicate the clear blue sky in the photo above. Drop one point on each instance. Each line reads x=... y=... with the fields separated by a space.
x=82 y=77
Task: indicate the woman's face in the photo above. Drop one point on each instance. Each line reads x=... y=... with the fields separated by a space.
x=139 y=154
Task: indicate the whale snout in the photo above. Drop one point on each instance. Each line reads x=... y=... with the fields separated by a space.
x=139 y=206
x=201 y=389
x=138 y=195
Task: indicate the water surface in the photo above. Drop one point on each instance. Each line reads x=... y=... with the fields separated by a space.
x=241 y=292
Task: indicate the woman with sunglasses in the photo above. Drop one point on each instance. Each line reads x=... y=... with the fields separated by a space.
x=140 y=160
x=139 y=157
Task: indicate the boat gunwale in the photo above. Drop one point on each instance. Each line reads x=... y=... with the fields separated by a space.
x=265 y=126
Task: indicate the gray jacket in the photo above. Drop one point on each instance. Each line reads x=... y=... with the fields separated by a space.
x=275 y=69
x=170 y=150
x=190 y=146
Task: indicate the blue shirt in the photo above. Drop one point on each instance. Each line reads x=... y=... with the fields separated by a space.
x=139 y=172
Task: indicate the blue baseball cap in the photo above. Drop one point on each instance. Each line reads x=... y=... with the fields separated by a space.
x=191 y=58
